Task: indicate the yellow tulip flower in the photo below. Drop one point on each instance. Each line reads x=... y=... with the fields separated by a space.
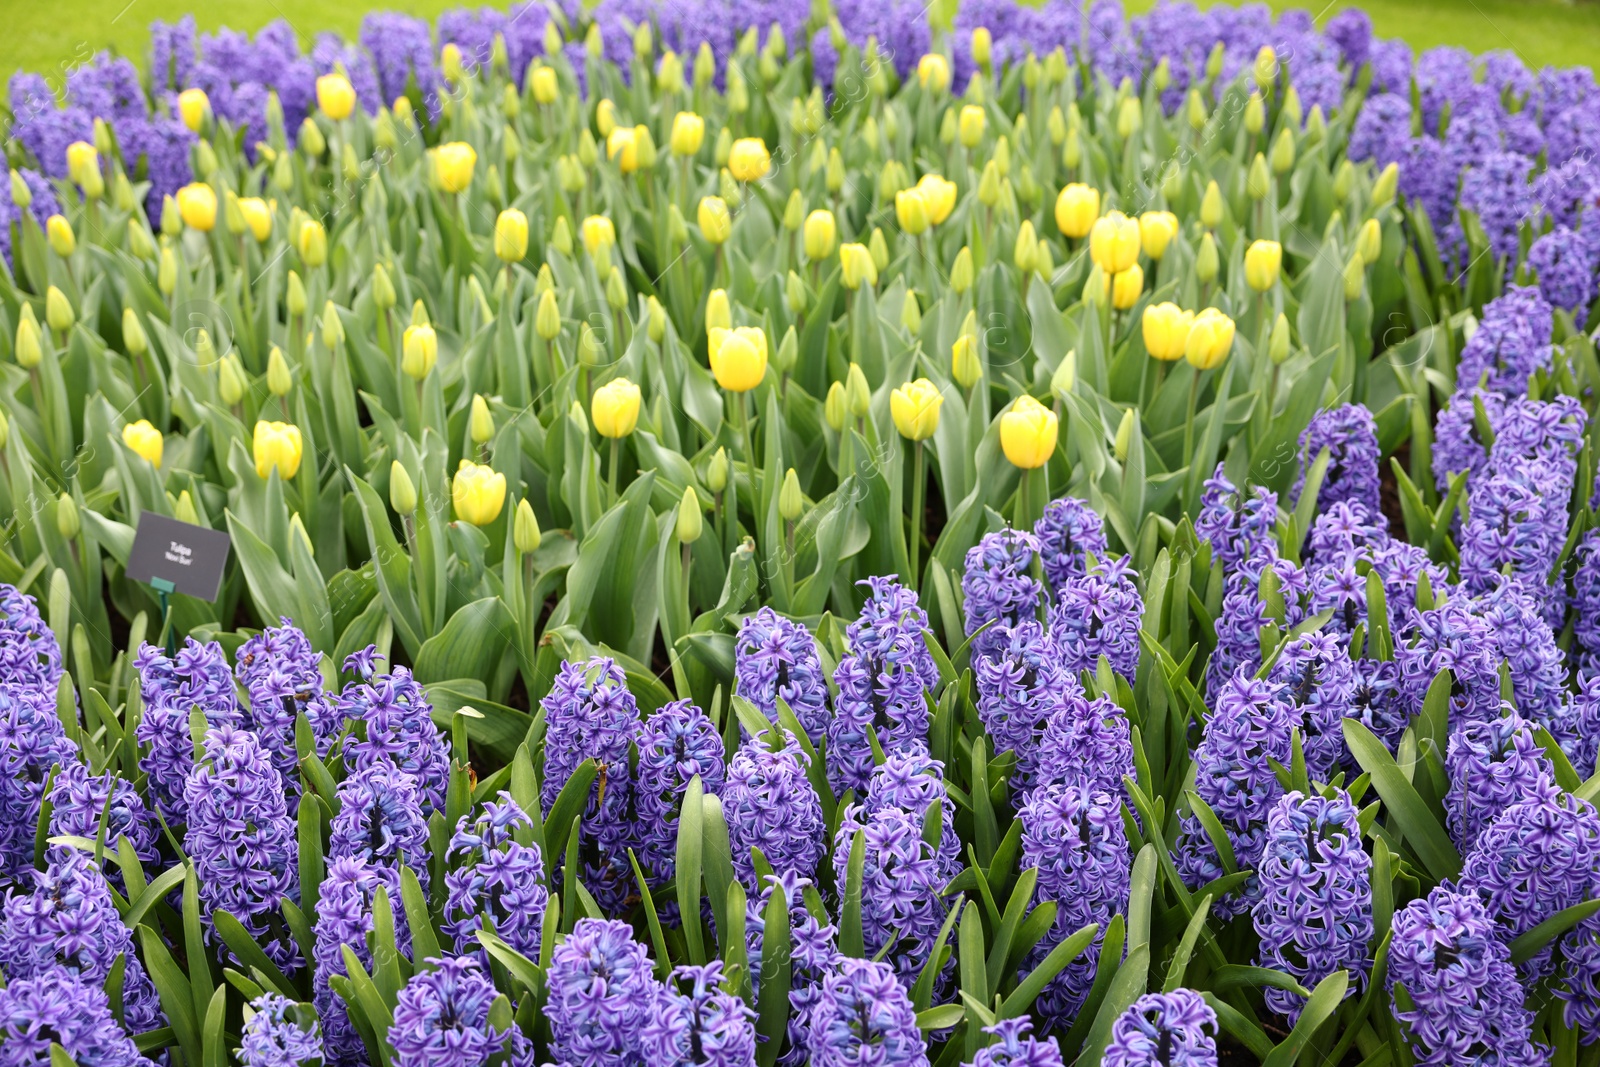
x=419 y=348
x=1114 y=243
x=1156 y=231
x=335 y=96
x=511 y=236
x=911 y=211
x=716 y=224
x=915 y=409
x=933 y=72
x=145 y=440
x=192 y=107
x=821 y=231
x=1209 y=341
x=598 y=233
x=939 y=195
x=856 y=266
x=1166 y=331
x=615 y=408
x=277 y=446
x=748 y=159
x=738 y=357
x=1028 y=433
x=1126 y=287
x=1077 y=207
x=197 y=204
x=688 y=133
x=257 y=217
x=454 y=163
x=478 y=492
x=545 y=88
x=1262 y=262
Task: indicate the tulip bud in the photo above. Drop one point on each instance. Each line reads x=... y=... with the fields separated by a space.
x=719 y=313
x=29 y=349
x=525 y=532
x=561 y=236
x=547 y=320
x=1072 y=150
x=1028 y=432
x=311 y=141
x=794 y=212
x=794 y=294
x=1023 y=250
x=58 y=311
x=1278 y=344
x=332 y=326
x=716 y=224
x=834 y=407
x=1207 y=261
x=717 y=471
x=167 y=272
x=1195 y=109
x=279 y=378
x=616 y=291
x=282 y=174
x=588 y=153
x=857 y=394
x=1283 y=152
x=1266 y=66
x=965 y=366
x=419 y=347
x=1124 y=439
x=1369 y=242
x=511 y=236
x=1130 y=116
x=705 y=65
x=480 y=423
x=677 y=229
x=184 y=510
x=591 y=353
x=1316 y=125
x=205 y=159
x=1255 y=114
x=911 y=313
x=1383 y=189
x=1263 y=261
x=139 y=244
x=1066 y=374
x=231 y=380
x=1211 y=207
x=295 y=295
x=1126 y=287
x=312 y=243
x=21 y=193
x=1291 y=107
x=834 y=178
x=856 y=267
x=1355 y=277
x=790 y=502
x=59 y=232
x=134 y=341
x=879 y=248
x=655 y=319
x=68 y=522
x=788 y=352
x=1258 y=182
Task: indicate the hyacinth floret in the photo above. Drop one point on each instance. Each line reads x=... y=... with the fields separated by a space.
x=1466 y=998
x=1350 y=435
x=1098 y=614
x=694 y=1022
x=589 y=714
x=1239 y=526
x=282 y=673
x=441 y=1019
x=678 y=742
x=1015 y=1046
x=1314 y=914
x=197 y=678
x=496 y=877
x=1176 y=1029
x=1089 y=741
x=1070 y=534
x=1344 y=532
x=1511 y=343
x=998 y=585
x=55 y=1008
x=864 y=1016
x=775 y=658
x=770 y=804
x=399 y=731
x=242 y=841
x=29 y=654
x=601 y=991
x=32 y=742
x=80 y=801
x=1021 y=682
x=902 y=878
x=1450 y=636
x=381 y=820
x=345 y=902
x=1318 y=681
x=912 y=780
x=1528 y=645
x=813 y=954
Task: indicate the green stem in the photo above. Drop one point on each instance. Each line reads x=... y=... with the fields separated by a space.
x=742 y=424
x=917 y=480
x=616 y=448
x=1019 y=517
x=1188 y=420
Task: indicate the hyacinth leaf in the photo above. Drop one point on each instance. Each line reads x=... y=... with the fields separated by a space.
x=1422 y=830
x=985 y=829
x=419 y=922
x=311 y=866
x=735 y=951
x=172 y=987
x=1127 y=986
x=922 y=991
x=1221 y=843
x=60 y=1058
x=658 y=940
x=194 y=943
x=1439 y=539
x=1305 y=509
x=1235 y=975
x=1179 y=964
x=940 y=1018
x=250 y=955
x=1353 y=1022
x=1529 y=945
x=1322 y=1003
x=378 y=1012
x=1141 y=887
x=1021 y=999
x=389 y=972
x=570 y=802
x=1418 y=518
x=772 y=1004
x=1566 y=776
x=716 y=858
x=153 y=894
x=1106 y=968
x=299 y=928
x=1241 y=1028
x=1000 y=950
x=690 y=837
x=850 y=929
x=213 y=1048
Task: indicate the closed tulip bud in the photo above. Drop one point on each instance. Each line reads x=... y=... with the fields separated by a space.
x=644 y=147
x=1266 y=66
x=748 y=159
x=58 y=313
x=688 y=133
x=231 y=380
x=1383 y=189
x=794 y=294
x=878 y=248
x=402 y=491
x=911 y=212
x=171 y=218
x=915 y=409
x=139 y=244
x=690 y=522
x=193 y=107
x=451 y=64
x=1166 y=331
x=1263 y=260
x=989 y=185
x=821 y=231
x=1025 y=248
x=561 y=236
x=835 y=407
x=1255 y=114
x=911 y=313
x=669 y=73
x=738 y=357
x=59 y=231
x=1163 y=75
x=719 y=312
x=1043 y=264
x=134 y=341
x=728 y=189
x=478 y=493
x=1066 y=375
x=21 y=193
x=419 y=351
x=1355 y=277
x=311 y=141
x=277 y=446
x=1278 y=344
x=1114 y=243
x=1195 y=109
x=1211 y=206
x=1156 y=231
x=1130 y=116
x=965 y=366
x=588 y=153
x=947 y=127
x=279 y=378
x=1210 y=339
x=1316 y=125
x=1207 y=261
x=335 y=96
x=598 y=233
x=511 y=236
x=1056 y=125
x=145 y=441
x=1077 y=208
x=295 y=295
x=546 y=90
x=1126 y=287
x=933 y=73
x=454 y=163
x=197 y=206
x=857 y=394
x=970 y=125
x=1124 y=438
x=1291 y=107
x=1258 y=183
x=856 y=266
x=283 y=173
x=1028 y=433
x=1072 y=149
x=790 y=501
x=833 y=178
x=1283 y=152
x=655 y=325
x=332 y=326
x=705 y=66
x=1369 y=242
x=716 y=225
x=167 y=272
x=1215 y=59
x=205 y=353
x=962 y=273
x=256 y=215
x=525 y=532
x=939 y=196
x=184 y=510
x=383 y=294
x=480 y=423
x=788 y=353
x=591 y=353
x=1027 y=186
x=312 y=243
x=68 y=522
x=717 y=471
x=616 y=291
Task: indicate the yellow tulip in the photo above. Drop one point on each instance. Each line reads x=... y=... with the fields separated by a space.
x=598 y=233
x=716 y=225
x=192 y=108
x=59 y=232
x=82 y=159
x=511 y=236
x=719 y=312
x=1077 y=207
x=197 y=203
x=1210 y=339
x=1028 y=433
x=615 y=408
x=939 y=195
x=915 y=409
x=335 y=96
x=453 y=163
x=1262 y=262
x=748 y=159
x=688 y=133
x=545 y=88
x=622 y=145
x=1369 y=242
x=605 y=117
x=145 y=440
x=1156 y=231
x=911 y=211
x=738 y=357
x=965 y=366
x=820 y=233
x=525 y=533
x=419 y=351
x=277 y=446
x=969 y=127
x=856 y=266
x=1166 y=331
x=478 y=492
x=312 y=243
x=1114 y=243
x=933 y=72
x=1126 y=286
x=257 y=217
x=1211 y=206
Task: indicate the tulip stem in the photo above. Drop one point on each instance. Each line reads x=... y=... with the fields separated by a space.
x=917 y=479
x=742 y=425
x=1188 y=421
x=616 y=448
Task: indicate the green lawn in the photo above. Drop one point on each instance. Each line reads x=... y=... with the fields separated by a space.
x=53 y=35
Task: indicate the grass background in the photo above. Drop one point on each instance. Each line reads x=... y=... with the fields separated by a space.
x=52 y=36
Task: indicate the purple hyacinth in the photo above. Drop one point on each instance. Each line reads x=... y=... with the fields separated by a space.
x=1089 y=741
x=44 y=128
x=1351 y=30
x=1070 y=533
x=692 y=1021
x=882 y=684
x=1528 y=646
x=1250 y=726
x=1538 y=857
x=55 y=1008
x=1586 y=603
x=1391 y=65
x=441 y=1019
x=1510 y=344
x=1564 y=262
x=1098 y=614
x=1497 y=190
x=1579 y=985
x=399 y=729
x=242 y=841
x=1244 y=613
x=32 y=741
x=29 y=655
x=813 y=954
x=282 y=674
x=600 y=994
x=79 y=801
x=679 y=741
x=1021 y=684
x=998 y=585
x=1176 y=1029
x=776 y=657
x=1342 y=534
x=172 y=53
x=770 y=804
x=344 y=918
x=864 y=1016
x=402 y=53
x=1491 y=765
x=1318 y=681
x=1382 y=129
x=1350 y=435
x=1076 y=838
x=1376 y=700
x=1451 y=636
x=1466 y=999
x=1314 y=916
x=1566 y=193
x=589 y=714
x=902 y=879
x=381 y=821
x=68 y=921
x=1517 y=526
x=279 y=1033
x=1239 y=527
x=913 y=781
x=172 y=689
x=498 y=878
x=1014 y=1046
